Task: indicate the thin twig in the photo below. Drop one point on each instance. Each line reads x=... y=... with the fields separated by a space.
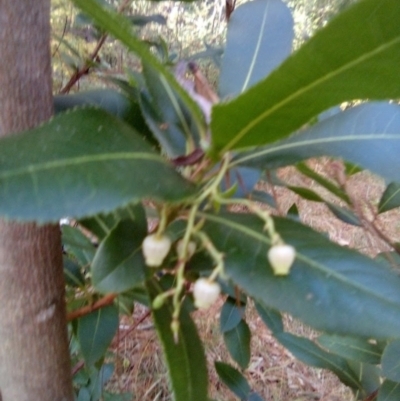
x=101 y=303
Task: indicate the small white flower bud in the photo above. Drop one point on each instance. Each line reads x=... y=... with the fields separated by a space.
x=155 y=248
x=205 y=293
x=281 y=258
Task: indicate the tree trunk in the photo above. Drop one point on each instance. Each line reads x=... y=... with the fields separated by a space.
x=34 y=356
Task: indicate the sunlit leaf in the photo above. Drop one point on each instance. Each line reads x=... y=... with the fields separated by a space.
x=326 y=71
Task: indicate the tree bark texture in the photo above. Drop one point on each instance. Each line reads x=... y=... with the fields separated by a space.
x=34 y=355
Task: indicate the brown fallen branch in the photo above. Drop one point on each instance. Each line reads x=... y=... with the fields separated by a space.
x=101 y=303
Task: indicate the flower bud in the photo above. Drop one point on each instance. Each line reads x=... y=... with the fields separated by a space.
x=191 y=248
x=281 y=258
x=155 y=248
x=205 y=293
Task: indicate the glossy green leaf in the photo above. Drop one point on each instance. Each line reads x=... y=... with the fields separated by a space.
x=102 y=224
x=120 y=27
x=325 y=183
x=231 y=315
x=233 y=379
x=77 y=245
x=390 y=198
x=367 y=135
x=119 y=265
x=365 y=293
x=326 y=71
x=72 y=273
x=306 y=351
x=81 y=163
x=356 y=349
x=344 y=214
x=95 y=332
x=391 y=361
x=185 y=359
x=271 y=318
x=389 y=391
x=237 y=340
x=259 y=38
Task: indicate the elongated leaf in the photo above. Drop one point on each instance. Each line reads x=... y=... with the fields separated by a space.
x=120 y=27
x=260 y=36
x=306 y=193
x=309 y=353
x=365 y=294
x=185 y=359
x=391 y=361
x=233 y=379
x=389 y=391
x=271 y=318
x=237 y=340
x=231 y=315
x=344 y=214
x=327 y=70
x=95 y=332
x=369 y=375
x=81 y=163
x=356 y=349
x=77 y=245
x=367 y=135
x=390 y=198
x=119 y=265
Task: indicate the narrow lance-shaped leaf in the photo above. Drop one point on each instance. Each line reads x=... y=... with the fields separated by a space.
x=237 y=340
x=367 y=135
x=82 y=163
x=259 y=38
x=390 y=198
x=185 y=359
x=365 y=293
x=233 y=379
x=120 y=27
x=329 y=69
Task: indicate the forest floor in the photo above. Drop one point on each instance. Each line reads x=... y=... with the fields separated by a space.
x=273 y=372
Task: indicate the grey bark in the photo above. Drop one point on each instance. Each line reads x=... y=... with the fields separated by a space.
x=34 y=356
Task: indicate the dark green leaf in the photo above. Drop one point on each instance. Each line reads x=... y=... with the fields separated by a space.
x=271 y=318
x=98 y=379
x=259 y=38
x=344 y=214
x=119 y=265
x=95 y=332
x=102 y=224
x=120 y=27
x=367 y=135
x=306 y=351
x=231 y=315
x=391 y=361
x=368 y=375
x=356 y=349
x=233 y=379
x=72 y=273
x=327 y=184
x=389 y=391
x=142 y=20
x=185 y=358
x=326 y=71
x=293 y=212
x=365 y=293
x=264 y=197
x=255 y=397
x=237 y=340
x=390 y=198
x=306 y=193
x=117 y=397
x=77 y=245
x=81 y=163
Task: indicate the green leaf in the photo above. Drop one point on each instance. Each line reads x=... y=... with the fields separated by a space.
x=77 y=245
x=271 y=318
x=231 y=315
x=356 y=349
x=185 y=359
x=233 y=379
x=390 y=198
x=326 y=71
x=120 y=27
x=325 y=183
x=237 y=340
x=389 y=391
x=119 y=265
x=367 y=135
x=344 y=214
x=259 y=38
x=306 y=193
x=82 y=163
x=142 y=20
x=95 y=332
x=306 y=351
x=366 y=294
x=391 y=361
x=102 y=224
x=72 y=273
